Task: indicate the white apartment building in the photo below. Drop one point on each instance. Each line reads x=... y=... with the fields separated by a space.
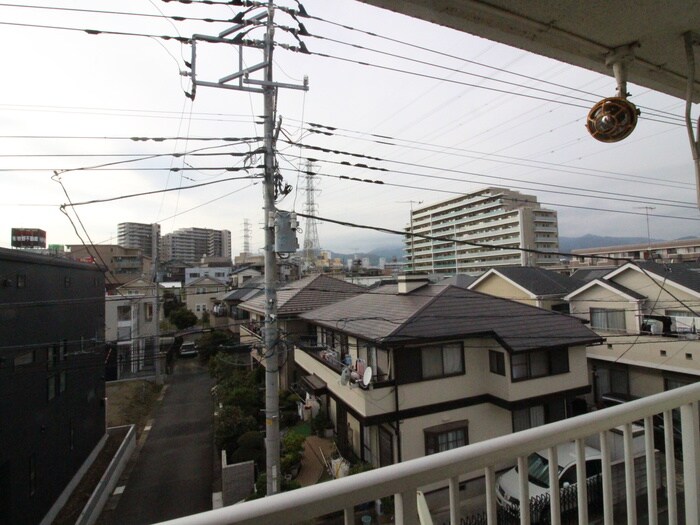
x=145 y=237
x=191 y=244
x=500 y=220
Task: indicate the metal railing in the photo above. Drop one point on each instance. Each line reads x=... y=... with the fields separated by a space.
x=403 y=480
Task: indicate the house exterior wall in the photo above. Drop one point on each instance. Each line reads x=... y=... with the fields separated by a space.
x=656 y=291
x=598 y=297
x=499 y=287
x=52 y=321
x=412 y=430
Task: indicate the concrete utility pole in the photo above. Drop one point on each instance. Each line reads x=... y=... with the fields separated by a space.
x=268 y=88
x=272 y=422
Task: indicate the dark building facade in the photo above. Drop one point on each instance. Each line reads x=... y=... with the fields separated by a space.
x=52 y=390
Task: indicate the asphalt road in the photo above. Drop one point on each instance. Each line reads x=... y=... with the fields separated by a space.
x=173 y=474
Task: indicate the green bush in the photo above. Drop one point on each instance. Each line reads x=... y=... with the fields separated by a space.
x=320 y=423
x=293 y=442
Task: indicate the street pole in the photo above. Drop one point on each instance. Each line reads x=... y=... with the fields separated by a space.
x=268 y=88
x=272 y=428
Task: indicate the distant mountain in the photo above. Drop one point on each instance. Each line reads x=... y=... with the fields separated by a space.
x=388 y=252
x=566 y=244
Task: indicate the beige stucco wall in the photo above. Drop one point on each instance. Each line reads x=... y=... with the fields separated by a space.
x=485 y=421
x=646 y=351
x=650 y=287
x=599 y=297
x=499 y=287
x=575 y=378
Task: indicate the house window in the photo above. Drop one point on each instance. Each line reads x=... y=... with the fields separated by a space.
x=149 y=311
x=442 y=360
x=21 y=280
x=610 y=379
x=386 y=447
x=62 y=382
x=497 y=362
x=66 y=281
x=539 y=364
x=608 y=320
x=25 y=358
x=536 y=415
x=446 y=437
x=124 y=313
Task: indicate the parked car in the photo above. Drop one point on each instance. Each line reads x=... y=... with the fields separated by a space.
x=612 y=399
x=508 y=484
x=188 y=350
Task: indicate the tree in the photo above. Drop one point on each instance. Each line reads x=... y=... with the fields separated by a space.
x=170 y=303
x=182 y=318
x=209 y=343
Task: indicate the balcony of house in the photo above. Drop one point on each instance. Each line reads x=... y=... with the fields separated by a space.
x=615 y=475
x=344 y=381
x=251 y=331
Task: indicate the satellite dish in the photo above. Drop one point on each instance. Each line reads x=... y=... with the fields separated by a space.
x=345 y=376
x=367 y=377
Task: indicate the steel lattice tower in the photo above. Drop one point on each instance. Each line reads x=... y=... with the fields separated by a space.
x=246 y=236
x=312 y=246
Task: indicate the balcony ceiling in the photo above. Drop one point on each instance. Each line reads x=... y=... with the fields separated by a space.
x=584 y=34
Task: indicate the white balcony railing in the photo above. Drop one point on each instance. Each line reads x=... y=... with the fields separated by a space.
x=404 y=479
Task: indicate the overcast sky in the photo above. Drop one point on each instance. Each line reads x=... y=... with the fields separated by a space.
x=447 y=114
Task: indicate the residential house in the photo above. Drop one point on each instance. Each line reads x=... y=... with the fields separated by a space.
x=222 y=273
x=201 y=294
x=52 y=389
x=227 y=315
x=241 y=275
x=293 y=299
x=648 y=314
x=131 y=328
x=528 y=285
x=445 y=366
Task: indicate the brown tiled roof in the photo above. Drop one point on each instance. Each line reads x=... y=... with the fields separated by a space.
x=435 y=312
x=306 y=294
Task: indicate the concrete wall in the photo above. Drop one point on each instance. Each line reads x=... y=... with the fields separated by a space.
x=237 y=480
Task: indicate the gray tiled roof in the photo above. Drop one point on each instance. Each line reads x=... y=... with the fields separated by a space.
x=306 y=294
x=589 y=274
x=247 y=291
x=435 y=312
x=540 y=281
x=679 y=273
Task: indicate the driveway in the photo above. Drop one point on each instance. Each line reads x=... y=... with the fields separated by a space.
x=173 y=474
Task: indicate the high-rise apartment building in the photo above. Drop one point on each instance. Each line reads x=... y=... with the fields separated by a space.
x=501 y=221
x=146 y=237
x=191 y=244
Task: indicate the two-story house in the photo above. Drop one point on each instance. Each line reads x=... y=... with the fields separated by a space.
x=649 y=316
x=201 y=294
x=411 y=369
x=293 y=299
x=529 y=285
x=131 y=329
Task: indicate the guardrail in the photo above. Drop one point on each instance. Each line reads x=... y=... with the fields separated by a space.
x=403 y=480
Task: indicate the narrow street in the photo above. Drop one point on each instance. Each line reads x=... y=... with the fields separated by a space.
x=173 y=475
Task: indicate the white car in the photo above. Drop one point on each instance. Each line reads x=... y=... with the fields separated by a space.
x=188 y=350
x=508 y=485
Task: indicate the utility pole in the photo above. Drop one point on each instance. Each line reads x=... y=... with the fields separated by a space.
x=272 y=361
x=259 y=16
